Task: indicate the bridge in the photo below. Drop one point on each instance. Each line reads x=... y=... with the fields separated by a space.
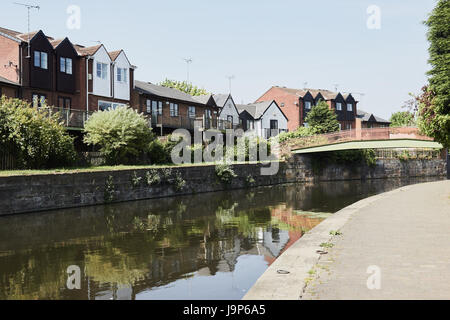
x=365 y=138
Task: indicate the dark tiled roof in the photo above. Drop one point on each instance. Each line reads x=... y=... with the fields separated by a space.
x=164 y=92
x=256 y=110
x=4 y=80
x=203 y=98
x=365 y=116
x=56 y=43
x=220 y=99
x=327 y=94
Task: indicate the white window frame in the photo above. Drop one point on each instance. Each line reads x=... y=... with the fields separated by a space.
x=42 y=60
x=191 y=112
x=308 y=105
x=349 y=106
x=339 y=106
x=112 y=105
x=149 y=106
x=174 y=109
x=103 y=70
x=67 y=63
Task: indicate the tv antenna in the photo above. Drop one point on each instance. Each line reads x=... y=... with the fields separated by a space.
x=336 y=86
x=230 y=78
x=29 y=7
x=188 y=62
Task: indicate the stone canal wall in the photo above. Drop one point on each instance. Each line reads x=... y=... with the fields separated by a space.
x=20 y=194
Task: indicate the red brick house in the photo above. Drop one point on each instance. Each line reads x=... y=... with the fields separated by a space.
x=170 y=109
x=296 y=103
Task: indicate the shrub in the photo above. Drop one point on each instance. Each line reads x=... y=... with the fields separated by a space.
x=299 y=133
x=225 y=173
x=33 y=137
x=122 y=134
x=153 y=177
x=321 y=119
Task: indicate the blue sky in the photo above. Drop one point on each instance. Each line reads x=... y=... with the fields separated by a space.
x=262 y=43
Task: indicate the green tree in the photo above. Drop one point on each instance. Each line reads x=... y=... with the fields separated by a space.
x=402 y=119
x=123 y=134
x=434 y=103
x=33 y=137
x=321 y=119
x=184 y=86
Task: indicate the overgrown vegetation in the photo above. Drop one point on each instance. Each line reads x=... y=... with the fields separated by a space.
x=122 y=134
x=434 y=102
x=32 y=137
x=402 y=119
x=109 y=189
x=225 y=173
x=184 y=86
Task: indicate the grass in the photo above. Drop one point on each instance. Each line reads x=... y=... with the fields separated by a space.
x=11 y=173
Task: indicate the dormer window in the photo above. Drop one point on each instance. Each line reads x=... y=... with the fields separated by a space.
x=308 y=105
x=338 y=106
x=349 y=107
x=41 y=59
x=102 y=70
x=65 y=65
x=122 y=74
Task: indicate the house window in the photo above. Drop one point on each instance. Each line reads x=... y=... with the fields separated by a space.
x=39 y=100
x=282 y=105
x=273 y=124
x=308 y=105
x=230 y=119
x=102 y=70
x=339 y=106
x=41 y=59
x=173 y=109
x=349 y=107
x=106 y=105
x=191 y=112
x=250 y=125
x=64 y=103
x=157 y=107
x=348 y=126
x=65 y=65
x=122 y=75
x=208 y=114
x=149 y=106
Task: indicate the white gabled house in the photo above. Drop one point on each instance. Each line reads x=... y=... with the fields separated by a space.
x=264 y=118
x=121 y=69
x=228 y=110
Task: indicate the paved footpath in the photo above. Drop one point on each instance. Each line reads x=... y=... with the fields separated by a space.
x=404 y=234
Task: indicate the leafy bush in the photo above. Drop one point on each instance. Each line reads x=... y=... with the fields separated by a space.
x=225 y=173
x=153 y=177
x=321 y=119
x=402 y=119
x=299 y=133
x=33 y=137
x=123 y=135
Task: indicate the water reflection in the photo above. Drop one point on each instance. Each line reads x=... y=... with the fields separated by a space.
x=207 y=246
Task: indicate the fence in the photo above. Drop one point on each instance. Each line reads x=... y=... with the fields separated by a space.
x=363 y=134
x=69 y=117
x=7 y=160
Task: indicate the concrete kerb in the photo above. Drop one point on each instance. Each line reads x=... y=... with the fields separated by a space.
x=303 y=256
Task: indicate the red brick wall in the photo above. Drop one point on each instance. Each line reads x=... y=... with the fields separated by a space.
x=290 y=109
x=9 y=51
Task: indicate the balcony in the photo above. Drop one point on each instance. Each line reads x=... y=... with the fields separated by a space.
x=70 y=118
x=180 y=122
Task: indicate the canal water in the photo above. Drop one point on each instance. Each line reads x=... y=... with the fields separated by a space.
x=205 y=246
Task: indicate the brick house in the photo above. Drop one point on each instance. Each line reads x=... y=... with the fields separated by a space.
x=9 y=88
x=296 y=103
x=170 y=109
x=47 y=71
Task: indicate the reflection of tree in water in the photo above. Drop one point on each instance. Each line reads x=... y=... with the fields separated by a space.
x=145 y=244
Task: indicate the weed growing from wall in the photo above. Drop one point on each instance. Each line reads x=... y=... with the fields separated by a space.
x=109 y=189
x=225 y=173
